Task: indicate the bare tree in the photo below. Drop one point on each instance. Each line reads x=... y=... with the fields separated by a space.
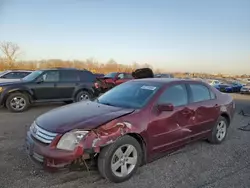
x=10 y=52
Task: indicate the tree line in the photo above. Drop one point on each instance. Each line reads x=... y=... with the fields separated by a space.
x=9 y=53
x=9 y=61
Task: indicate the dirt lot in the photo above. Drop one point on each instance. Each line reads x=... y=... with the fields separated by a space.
x=199 y=165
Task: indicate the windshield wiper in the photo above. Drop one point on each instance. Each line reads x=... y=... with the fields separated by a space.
x=105 y=103
x=108 y=104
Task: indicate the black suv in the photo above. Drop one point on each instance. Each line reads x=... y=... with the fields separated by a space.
x=52 y=85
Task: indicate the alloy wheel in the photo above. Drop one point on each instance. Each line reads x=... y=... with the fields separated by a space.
x=18 y=103
x=221 y=130
x=83 y=97
x=124 y=160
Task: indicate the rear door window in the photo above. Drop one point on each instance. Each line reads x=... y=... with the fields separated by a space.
x=200 y=93
x=11 y=75
x=176 y=95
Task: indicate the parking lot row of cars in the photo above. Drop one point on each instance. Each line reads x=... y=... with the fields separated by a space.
x=21 y=88
x=228 y=86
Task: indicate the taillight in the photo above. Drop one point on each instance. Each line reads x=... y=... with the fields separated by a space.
x=96 y=85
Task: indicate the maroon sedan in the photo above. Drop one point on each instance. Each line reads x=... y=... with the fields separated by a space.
x=130 y=125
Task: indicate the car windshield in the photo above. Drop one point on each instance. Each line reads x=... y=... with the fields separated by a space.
x=129 y=95
x=110 y=75
x=32 y=75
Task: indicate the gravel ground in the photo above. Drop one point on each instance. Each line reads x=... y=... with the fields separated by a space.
x=199 y=165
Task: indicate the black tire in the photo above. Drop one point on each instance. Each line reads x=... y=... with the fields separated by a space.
x=22 y=96
x=80 y=94
x=106 y=156
x=213 y=138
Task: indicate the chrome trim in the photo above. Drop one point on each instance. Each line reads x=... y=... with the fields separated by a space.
x=41 y=134
x=38 y=157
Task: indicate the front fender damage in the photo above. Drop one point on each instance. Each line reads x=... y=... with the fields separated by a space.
x=106 y=135
x=97 y=139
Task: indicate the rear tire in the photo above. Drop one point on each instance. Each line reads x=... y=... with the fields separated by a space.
x=17 y=102
x=119 y=161
x=219 y=131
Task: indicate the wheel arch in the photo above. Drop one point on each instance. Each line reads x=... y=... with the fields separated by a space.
x=23 y=91
x=142 y=143
x=227 y=117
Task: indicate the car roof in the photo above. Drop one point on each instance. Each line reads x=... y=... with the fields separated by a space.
x=7 y=71
x=165 y=80
x=59 y=68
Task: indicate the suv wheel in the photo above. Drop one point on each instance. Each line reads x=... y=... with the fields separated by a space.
x=120 y=160
x=17 y=102
x=83 y=96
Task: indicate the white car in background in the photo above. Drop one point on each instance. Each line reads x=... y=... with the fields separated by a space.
x=214 y=82
x=13 y=75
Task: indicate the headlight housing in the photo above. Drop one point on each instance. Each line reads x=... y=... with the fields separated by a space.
x=70 y=140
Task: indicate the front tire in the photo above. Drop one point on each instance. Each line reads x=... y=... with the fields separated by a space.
x=120 y=160
x=83 y=96
x=17 y=102
x=219 y=131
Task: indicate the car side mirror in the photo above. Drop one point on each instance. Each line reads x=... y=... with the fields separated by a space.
x=165 y=107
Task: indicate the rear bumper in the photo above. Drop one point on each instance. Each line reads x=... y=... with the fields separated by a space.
x=49 y=157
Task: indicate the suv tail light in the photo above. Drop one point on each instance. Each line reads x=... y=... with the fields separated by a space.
x=96 y=85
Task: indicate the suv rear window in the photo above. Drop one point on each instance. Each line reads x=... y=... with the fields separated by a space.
x=69 y=76
x=87 y=76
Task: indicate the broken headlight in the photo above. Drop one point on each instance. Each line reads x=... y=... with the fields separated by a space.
x=70 y=140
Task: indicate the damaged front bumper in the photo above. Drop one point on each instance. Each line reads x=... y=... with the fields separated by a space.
x=84 y=155
x=53 y=159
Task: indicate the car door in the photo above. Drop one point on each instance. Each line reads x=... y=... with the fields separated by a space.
x=168 y=129
x=69 y=80
x=204 y=104
x=44 y=86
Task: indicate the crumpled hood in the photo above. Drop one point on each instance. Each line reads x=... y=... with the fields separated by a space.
x=80 y=115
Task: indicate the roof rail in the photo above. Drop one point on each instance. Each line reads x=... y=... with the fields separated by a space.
x=66 y=68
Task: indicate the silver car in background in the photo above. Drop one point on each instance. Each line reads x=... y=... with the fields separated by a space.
x=13 y=75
